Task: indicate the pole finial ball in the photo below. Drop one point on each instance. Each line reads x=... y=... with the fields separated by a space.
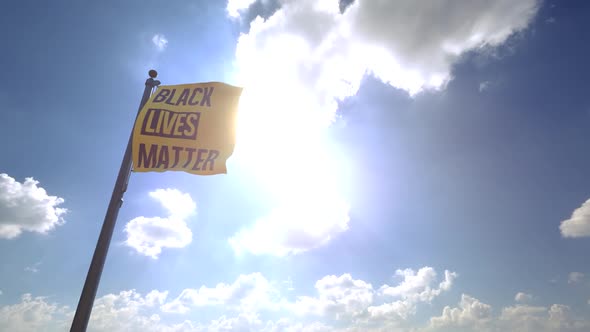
x=153 y=73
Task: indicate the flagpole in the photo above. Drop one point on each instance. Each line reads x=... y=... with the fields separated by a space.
x=80 y=322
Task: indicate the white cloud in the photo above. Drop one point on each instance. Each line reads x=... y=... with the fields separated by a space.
x=294 y=228
x=32 y=314
x=470 y=313
x=243 y=322
x=395 y=311
x=579 y=223
x=419 y=285
x=339 y=297
x=528 y=318
x=179 y=205
x=483 y=86
x=149 y=235
x=288 y=325
x=252 y=303
x=127 y=311
x=130 y=311
x=416 y=287
x=249 y=292
x=296 y=65
x=234 y=7
x=155 y=297
x=160 y=41
x=523 y=297
x=33 y=268
x=356 y=303
x=575 y=277
x=409 y=44
x=27 y=207
x=473 y=315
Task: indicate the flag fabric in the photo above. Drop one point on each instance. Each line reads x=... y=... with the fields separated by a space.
x=187 y=127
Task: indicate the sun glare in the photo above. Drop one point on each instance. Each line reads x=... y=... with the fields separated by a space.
x=286 y=109
x=283 y=143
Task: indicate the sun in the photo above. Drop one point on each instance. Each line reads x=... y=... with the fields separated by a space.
x=284 y=145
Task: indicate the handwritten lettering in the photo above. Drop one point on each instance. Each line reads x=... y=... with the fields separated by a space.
x=165 y=123
x=163 y=157
x=177 y=97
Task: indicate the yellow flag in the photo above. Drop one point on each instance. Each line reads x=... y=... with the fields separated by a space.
x=188 y=127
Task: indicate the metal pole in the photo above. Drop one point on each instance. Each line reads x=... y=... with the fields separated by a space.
x=86 y=301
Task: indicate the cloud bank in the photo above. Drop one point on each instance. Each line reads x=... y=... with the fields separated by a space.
x=339 y=303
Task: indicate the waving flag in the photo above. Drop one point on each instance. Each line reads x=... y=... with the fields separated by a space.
x=188 y=127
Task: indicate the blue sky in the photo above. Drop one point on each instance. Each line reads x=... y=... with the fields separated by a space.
x=399 y=167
